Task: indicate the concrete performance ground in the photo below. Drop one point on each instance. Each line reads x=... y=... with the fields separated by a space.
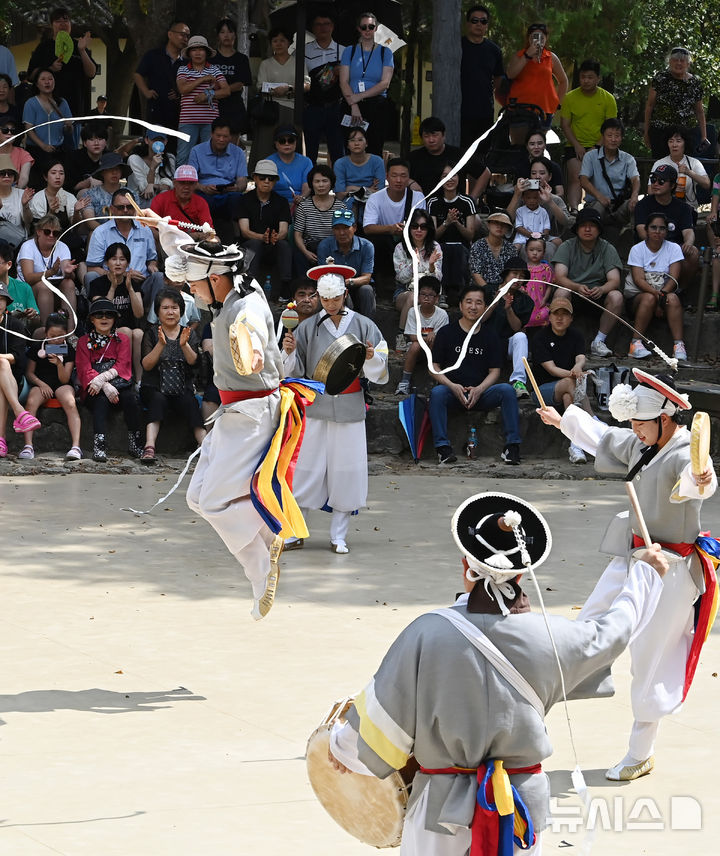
x=145 y=714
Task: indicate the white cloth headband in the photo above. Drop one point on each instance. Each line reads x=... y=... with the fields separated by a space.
x=641 y=403
x=331 y=285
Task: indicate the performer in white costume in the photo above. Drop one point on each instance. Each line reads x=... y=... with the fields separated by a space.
x=331 y=471
x=654 y=454
x=466 y=689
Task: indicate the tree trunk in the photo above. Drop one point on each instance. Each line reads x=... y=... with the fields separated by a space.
x=447 y=15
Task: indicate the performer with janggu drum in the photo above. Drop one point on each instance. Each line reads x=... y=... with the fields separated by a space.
x=334 y=346
x=658 y=456
x=466 y=689
x=242 y=482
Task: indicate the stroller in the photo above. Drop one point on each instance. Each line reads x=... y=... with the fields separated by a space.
x=505 y=146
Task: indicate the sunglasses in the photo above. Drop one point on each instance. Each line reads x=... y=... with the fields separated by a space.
x=103 y=315
x=6 y=172
x=47 y=232
x=285 y=140
x=8 y=129
x=479 y=20
x=653 y=180
x=266 y=178
x=367 y=27
x=422 y=226
x=123 y=207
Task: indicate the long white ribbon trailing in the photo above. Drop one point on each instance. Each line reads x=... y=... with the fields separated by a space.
x=172 y=489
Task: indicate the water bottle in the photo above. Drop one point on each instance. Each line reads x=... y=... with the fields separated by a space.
x=471 y=446
x=267 y=287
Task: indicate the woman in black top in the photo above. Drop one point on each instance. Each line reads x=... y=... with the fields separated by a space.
x=169 y=352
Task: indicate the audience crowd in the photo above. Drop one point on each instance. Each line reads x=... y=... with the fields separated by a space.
x=141 y=344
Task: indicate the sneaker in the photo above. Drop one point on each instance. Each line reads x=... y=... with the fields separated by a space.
x=443 y=302
x=679 y=351
x=520 y=389
x=638 y=351
x=446 y=455
x=401 y=343
x=511 y=454
x=600 y=349
x=403 y=388
x=576 y=455
x=627 y=772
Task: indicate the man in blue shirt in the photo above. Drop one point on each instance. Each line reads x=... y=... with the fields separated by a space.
x=222 y=171
x=139 y=240
x=346 y=248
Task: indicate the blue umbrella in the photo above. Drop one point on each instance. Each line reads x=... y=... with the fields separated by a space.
x=414 y=418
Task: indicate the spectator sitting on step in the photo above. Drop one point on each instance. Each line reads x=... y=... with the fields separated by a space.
x=509 y=316
x=558 y=365
x=590 y=265
x=346 y=248
x=314 y=218
x=432 y=318
x=488 y=255
x=183 y=202
x=117 y=285
x=651 y=286
x=456 y=222
x=474 y=384
x=387 y=209
x=110 y=171
x=428 y=161
x=429 y=261
x=24 y=306
x=222 y=171
x=264 y=220
x=610 y=177
x=12 y=368
x=542 y=277
x=49 y=371
x=661 y=197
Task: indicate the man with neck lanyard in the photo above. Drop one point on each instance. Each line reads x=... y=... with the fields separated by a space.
x=365 y=75
x=224 y=489
x=331 y=471
x=156 y=77
x=323 y=109
x=466 y=689
x=653 y=454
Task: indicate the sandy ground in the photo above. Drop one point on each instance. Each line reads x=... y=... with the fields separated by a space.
x=145 y=713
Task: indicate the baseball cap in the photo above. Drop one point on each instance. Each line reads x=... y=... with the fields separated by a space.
x=588 y=215
x=561 y=303
x=186 y=172
x=343 y=217
x=665 y=172
x=285 y=131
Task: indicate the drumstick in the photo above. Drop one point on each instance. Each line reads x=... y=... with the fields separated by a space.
x=192 y=227
x=532 y=380
x=630 y=488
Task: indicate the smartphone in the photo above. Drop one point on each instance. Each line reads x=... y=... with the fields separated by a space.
x=58 y=350
x=532 y=184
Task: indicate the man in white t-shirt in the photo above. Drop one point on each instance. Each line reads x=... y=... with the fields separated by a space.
x=386 y=212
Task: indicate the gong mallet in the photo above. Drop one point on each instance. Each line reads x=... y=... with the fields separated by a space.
x=630 y=488
x=532 y=380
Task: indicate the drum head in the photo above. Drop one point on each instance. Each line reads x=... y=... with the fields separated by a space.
x=370 y=809
x=341 y=364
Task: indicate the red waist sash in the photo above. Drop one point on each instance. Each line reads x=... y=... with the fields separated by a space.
x=501 y=820
x=230 y=396
x=706 y=606
x=354 y=387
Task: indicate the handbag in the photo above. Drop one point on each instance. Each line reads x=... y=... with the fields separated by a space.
x=172 y=370
x=118 y=382
x=263 y=110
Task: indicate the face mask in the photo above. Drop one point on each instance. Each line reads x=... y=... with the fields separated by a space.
x=158 y=147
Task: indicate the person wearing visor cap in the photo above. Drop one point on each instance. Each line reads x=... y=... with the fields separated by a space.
x=331 y=471
x=466 y=688
x=654 y=454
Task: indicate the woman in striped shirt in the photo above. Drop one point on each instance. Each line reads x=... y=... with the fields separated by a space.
x=314 y=218
x=200 y=85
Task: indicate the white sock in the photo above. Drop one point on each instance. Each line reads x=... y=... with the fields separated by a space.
x=600 y=337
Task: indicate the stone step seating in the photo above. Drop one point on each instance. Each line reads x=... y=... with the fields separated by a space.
x=384 y=431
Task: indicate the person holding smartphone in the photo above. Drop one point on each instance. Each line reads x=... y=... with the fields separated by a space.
x=49 y=369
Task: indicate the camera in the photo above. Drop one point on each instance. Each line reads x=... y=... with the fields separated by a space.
x=58 y=350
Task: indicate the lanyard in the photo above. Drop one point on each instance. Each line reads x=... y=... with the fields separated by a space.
x=362 y=60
